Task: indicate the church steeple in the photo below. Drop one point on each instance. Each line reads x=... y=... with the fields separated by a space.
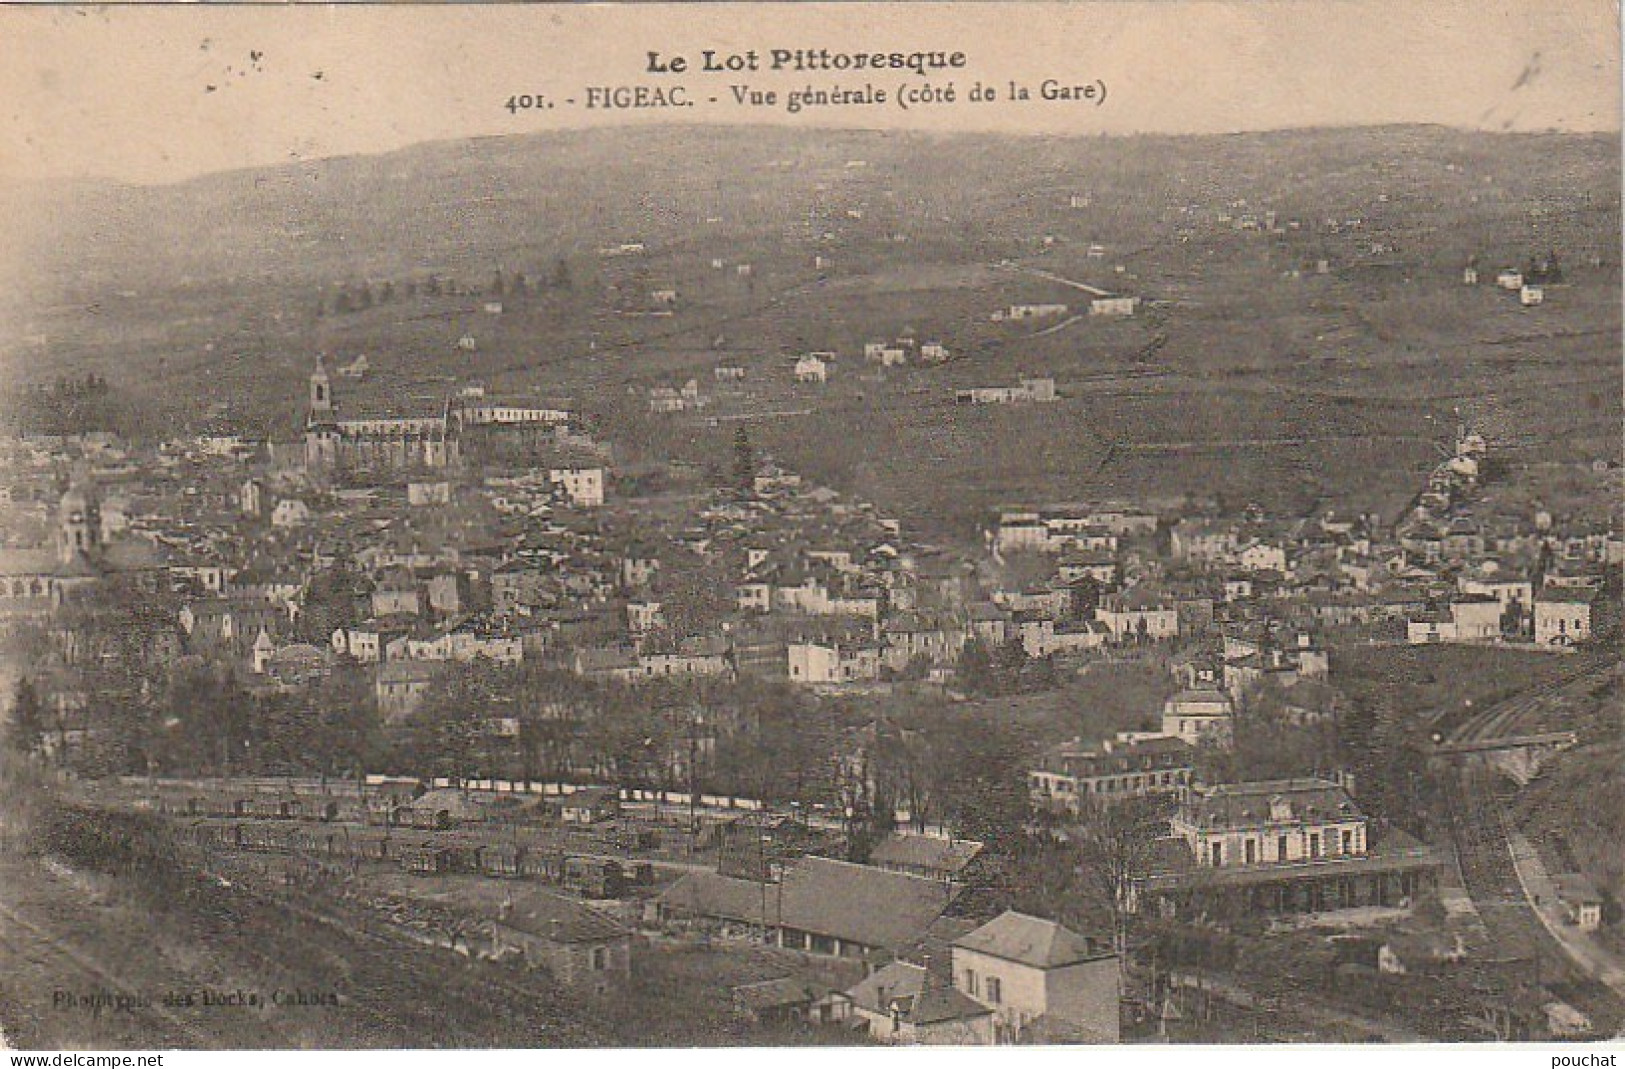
x=78 y=520
x=321 y=391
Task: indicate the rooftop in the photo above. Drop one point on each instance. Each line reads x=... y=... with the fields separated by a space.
x=1042 y=944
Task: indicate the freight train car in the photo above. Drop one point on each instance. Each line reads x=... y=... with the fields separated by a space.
x=594 y=878
x=502 y=860
x=265 y=838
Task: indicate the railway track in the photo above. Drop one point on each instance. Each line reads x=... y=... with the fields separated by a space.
x=395 y=1002
x=238 y=928
x=1507 y=717
x=1519 y=942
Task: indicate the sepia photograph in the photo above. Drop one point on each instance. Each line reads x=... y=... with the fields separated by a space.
x=856 y=525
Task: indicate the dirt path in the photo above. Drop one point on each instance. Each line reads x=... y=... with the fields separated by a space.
x=1538 y=888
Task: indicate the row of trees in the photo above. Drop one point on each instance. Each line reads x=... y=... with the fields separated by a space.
x=757 y=738
x=70 y=406
x=362 y=296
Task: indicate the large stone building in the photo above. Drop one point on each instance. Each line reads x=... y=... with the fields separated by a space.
x=1276 y=846
x=36 y=581
x=393 y=442
x=433 y=438
x=1072 y=777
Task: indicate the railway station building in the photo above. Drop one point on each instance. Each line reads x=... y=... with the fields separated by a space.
x=1280 y=846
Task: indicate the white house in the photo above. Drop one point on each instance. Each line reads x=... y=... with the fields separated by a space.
x=1581 y=902
x=1477 y=617
x=583 y=486
x=1032 y=971
x=1026 y=391
x=1269 y=822
x=644 y=616
x=812 y=368
x=1133 y=617
x=360 y=642
x=1194 y=715
x=1263 y=557
x=1114 y=306
x=1029 y=311
x=1562 y=616
x=824 y=663
x=290 y=512
x=421 y=494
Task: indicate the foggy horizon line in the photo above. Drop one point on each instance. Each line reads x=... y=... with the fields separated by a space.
x=89 y=178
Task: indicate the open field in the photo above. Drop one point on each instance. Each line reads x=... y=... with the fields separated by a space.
x=1424 y=683
x=1249 y=373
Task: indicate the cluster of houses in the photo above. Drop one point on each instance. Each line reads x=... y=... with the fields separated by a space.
x=1529 y=284
x=806 y=369
x=929 y=977
x=1520 y=582
x=476 y=562
x=904 y=349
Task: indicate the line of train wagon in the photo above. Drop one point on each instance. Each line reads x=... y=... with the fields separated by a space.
x=324 y=809
x=435 y=811
x=426 y=855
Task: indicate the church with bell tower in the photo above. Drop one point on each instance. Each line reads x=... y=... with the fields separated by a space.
x=387 y=442
x=78 y=559
x=78 y=525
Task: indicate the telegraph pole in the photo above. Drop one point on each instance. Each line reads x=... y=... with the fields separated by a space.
x=695 y=724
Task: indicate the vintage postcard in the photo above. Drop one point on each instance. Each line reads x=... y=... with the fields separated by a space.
x=704 y=525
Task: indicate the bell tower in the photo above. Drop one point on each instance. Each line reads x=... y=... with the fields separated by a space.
x=321 y=392
x=78 y=522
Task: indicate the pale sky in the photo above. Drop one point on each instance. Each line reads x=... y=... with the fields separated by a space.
x=124 y=92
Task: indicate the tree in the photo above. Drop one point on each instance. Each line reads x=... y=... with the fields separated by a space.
x=1085 y=591
x=330 y=603
x=347 y=737
x=26 y=730
x=1272 y=739
x=204 y=720
x=446 y=734
x=1115 y=843
x=978 y=773
x=744 y=462
x=975 y=668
